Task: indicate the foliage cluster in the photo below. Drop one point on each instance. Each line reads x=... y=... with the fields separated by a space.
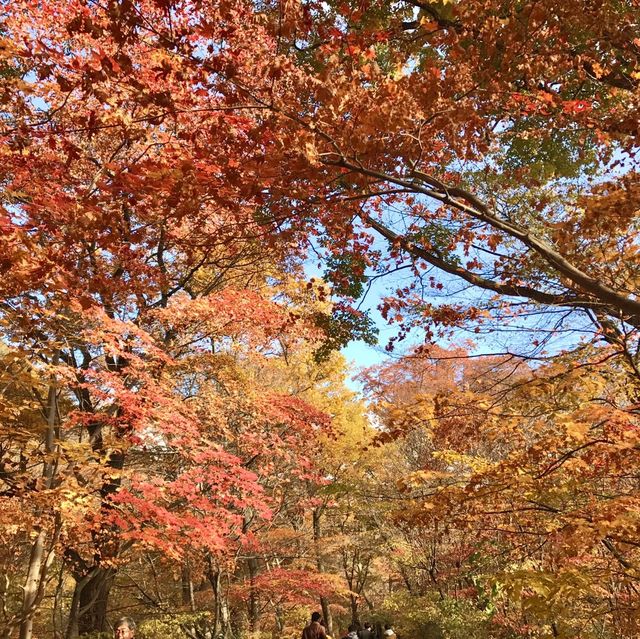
x=177 y=437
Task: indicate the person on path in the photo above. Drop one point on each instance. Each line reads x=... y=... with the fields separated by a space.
x=352 y=632
x=366 y=632
x=315 y=630
x=389 y=632
x=125 y=628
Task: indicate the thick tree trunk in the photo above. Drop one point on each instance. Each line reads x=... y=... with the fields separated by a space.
x=94 y=598
x=88 y=611
x=93 y=578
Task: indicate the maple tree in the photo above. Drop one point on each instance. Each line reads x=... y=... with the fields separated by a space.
x=290 y=561
x=272 y=573
x=354 y=92
x=427 y=125
x=103 y=226
x=199 y=492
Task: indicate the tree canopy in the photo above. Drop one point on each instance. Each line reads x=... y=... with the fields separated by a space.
x=178 y=435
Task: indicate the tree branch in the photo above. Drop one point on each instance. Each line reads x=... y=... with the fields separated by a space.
x=465 y=202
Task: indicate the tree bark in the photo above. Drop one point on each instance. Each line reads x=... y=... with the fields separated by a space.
x=187 y=587
x=222 y=624
x=31 y=586
x=94 y=578
x=40 y=560
x=94 y=599
x=355 y=613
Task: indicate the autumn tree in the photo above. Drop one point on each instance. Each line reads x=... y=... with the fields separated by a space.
x=104 y=225
x=426 y=126
x=437 y=111
x=522 y=482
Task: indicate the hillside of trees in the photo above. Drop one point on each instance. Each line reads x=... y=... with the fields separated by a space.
x=202 y=203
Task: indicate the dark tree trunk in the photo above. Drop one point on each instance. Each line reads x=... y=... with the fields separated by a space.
x=355 y=613
x=187 y=588
x=93 y=601
x=88 y=611
x=93 y=578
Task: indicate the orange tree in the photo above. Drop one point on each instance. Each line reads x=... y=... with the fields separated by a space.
x=100 y=235
x=426 y=123
x=525 y=485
